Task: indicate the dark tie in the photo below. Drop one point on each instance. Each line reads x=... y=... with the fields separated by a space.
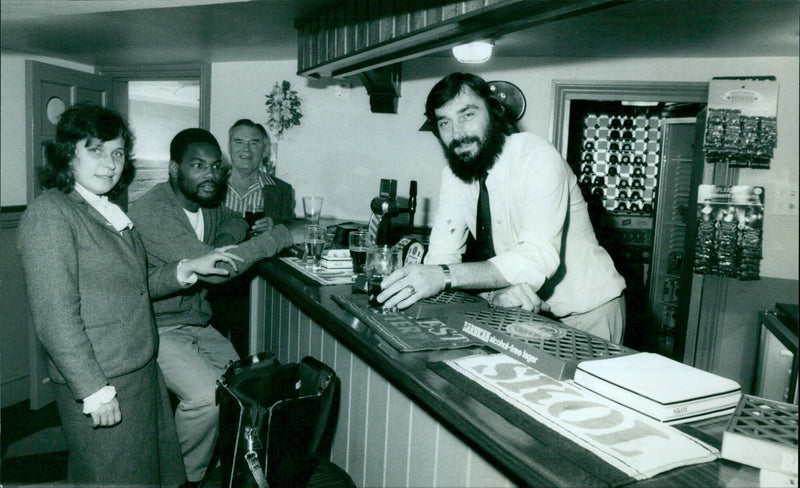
x=127 y=234
x=481 y=247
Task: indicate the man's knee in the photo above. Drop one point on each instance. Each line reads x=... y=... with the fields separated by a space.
x=198 y=398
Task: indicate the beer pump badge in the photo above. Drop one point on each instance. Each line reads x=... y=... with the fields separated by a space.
x=413 y=250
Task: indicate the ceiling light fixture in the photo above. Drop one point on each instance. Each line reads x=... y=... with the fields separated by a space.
x=639 y=103
x=473 y=52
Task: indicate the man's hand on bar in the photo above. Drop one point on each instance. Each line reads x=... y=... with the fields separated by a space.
x=410 y=284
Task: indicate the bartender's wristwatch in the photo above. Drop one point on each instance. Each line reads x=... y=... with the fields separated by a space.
x=448 y=282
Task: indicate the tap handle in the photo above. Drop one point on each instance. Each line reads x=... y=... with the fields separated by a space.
x=412 y=203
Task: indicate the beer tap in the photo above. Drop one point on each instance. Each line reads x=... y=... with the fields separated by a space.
x=385 y=207
x=412 y=204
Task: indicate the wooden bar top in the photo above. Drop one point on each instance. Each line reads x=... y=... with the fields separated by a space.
x=538 y=457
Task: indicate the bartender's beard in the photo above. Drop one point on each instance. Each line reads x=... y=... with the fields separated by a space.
x=470 y=168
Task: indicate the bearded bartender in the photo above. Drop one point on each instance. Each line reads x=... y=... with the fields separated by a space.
x=512 y=223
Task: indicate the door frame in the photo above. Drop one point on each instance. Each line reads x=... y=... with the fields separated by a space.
x=640 y=91
x=702 y=290
x=121 y=75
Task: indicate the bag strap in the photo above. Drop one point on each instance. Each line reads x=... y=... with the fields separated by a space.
x=252 y=459
x=250 y=434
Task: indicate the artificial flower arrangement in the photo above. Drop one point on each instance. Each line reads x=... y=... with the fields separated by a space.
x=283 y=108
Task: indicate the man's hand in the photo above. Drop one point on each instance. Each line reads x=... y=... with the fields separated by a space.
x=523 y=296
x=261 y=225
x=206 y=265
x=107 y=414
x=410 y=284
x=276 y=238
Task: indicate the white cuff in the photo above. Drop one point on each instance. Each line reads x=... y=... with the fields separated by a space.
x=101 y=396
x=185 y=278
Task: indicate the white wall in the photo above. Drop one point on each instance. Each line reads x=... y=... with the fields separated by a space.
x=341 y=150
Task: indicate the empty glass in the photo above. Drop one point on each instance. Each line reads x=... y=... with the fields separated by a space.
x=381 y=262
x=312 y=208
x=315 y=243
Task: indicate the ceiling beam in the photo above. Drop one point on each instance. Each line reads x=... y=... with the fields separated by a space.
x=383 y=86
x=360 y=35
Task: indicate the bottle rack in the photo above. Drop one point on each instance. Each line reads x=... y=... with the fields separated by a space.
x=620 y=161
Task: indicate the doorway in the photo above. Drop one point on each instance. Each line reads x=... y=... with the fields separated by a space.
x=157 y=110
x=614 y=137
x=158 y=102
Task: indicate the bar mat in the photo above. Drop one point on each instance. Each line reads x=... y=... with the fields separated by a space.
x=444 y=304
x=628 y=444
x=321 y=277
x=405 y=333
x=544 y=344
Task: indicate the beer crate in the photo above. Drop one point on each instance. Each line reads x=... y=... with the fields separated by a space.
x=762 y=433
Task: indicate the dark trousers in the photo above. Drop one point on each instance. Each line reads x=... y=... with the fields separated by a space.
x=230 y=305
x=142 y=450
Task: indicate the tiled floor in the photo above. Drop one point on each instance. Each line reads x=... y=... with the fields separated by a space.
x=33 y=450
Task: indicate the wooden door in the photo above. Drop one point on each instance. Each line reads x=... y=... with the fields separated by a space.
x=668 y=280
x=49 y=91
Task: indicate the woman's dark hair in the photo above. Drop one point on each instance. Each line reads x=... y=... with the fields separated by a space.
x=85 y=121
x=451 y=85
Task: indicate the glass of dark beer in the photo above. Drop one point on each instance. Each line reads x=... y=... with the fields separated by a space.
x=252 y=218
x=358 y=244
x=381 y=262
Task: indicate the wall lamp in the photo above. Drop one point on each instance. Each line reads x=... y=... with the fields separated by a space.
x=473 y=52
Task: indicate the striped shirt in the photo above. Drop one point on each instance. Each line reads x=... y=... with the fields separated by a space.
x=253 y=199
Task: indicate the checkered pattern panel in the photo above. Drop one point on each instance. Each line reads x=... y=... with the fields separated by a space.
x=620 y=161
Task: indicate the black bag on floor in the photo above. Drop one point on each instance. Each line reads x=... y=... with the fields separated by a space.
x=276 y=421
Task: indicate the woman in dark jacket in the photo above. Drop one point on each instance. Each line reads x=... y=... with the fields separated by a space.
x=88 y=286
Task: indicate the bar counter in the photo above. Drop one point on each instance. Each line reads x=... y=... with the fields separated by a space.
x=401 y=424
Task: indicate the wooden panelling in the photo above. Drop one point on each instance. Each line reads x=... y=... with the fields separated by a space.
x=362 y=35
x=15 y=320
x=382 y=438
